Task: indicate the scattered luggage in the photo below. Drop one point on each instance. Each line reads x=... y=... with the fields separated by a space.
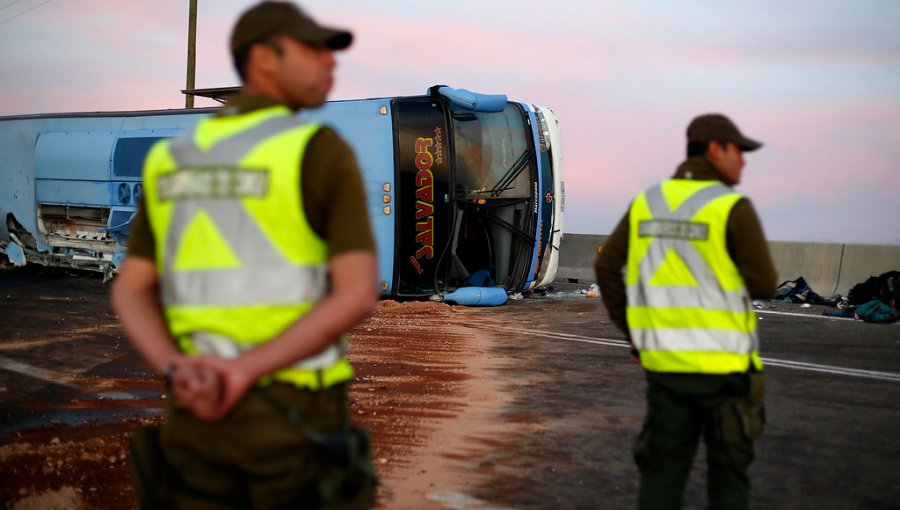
x=884 y=287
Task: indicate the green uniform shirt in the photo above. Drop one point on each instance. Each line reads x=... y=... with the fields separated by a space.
x=334 y=199
x=746 y=243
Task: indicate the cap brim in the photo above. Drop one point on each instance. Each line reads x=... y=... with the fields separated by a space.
x=340 y=40
x=748 y=144
x=333 y=38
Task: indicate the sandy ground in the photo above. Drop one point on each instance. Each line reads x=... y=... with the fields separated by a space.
x=532 y=405
x=423 y=391
x=423 y=387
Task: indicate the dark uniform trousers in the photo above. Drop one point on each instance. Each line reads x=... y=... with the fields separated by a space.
x=681 y=408
x=256 y=457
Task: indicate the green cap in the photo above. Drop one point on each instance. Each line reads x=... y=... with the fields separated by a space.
x=284 y=18
x=715 y=126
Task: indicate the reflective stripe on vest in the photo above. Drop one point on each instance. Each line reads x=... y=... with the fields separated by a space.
x=211 y=182
x=287 y=283
x=706 y=326
x=224 y=347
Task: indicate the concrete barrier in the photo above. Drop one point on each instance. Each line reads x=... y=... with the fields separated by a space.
x=577 y=254
x=829 y=268
x=864 y=260
x=818 y=263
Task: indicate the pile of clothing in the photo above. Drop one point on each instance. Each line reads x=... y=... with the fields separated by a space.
x=798 y=291
x=878 y=298
x=875 y=300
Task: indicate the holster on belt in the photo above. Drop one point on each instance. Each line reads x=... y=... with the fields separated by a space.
x=750 y=408
x=351 y=478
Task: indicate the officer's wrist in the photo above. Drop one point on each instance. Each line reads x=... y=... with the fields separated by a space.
x=168 y=372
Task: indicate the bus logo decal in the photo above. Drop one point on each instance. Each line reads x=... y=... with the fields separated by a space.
x=425 y=198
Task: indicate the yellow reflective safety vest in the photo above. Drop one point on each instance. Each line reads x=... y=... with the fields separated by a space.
x=688 y=309
x=237 y=260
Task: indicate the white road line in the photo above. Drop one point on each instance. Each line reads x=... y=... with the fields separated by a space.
x=797 y=365
x=813 y=367
x=574 y=338
x=37 y=372
x=805 y=315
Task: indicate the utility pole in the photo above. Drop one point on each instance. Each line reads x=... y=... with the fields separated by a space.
x=191 y=53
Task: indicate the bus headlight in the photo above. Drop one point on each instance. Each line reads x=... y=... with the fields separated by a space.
x=543 y=131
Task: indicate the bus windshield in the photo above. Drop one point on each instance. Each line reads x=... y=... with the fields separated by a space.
x=492 y=152
x=469 y=182
x=495 y=177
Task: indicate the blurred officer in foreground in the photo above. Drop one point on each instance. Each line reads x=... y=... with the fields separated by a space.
x=694 y=254
x=250 y=257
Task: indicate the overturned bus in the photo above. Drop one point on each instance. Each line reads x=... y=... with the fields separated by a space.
x=460 y=186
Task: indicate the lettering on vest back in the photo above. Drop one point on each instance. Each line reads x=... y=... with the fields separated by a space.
x=674 y=229
x=213 y=182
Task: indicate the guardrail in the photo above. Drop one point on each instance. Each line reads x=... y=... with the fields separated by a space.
x=829 y=268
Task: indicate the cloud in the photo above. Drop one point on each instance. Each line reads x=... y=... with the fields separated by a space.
x=91 y=55
x=817 y=81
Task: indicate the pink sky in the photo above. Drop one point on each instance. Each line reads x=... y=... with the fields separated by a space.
x=819 y=84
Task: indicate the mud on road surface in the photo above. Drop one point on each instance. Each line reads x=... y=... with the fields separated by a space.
x=447 y=431
x=531 y=405
x=466 y=413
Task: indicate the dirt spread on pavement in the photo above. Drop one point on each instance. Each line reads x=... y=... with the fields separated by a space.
x=533 y=404
x=424 y=391
x=414 y=378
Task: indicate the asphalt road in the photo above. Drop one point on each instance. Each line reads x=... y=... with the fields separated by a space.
x=572 y=404
x=832 y=401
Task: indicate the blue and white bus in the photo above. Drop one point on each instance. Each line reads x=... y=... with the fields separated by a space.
x=462 y=188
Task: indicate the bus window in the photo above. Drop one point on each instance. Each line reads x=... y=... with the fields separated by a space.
x=486 y=225
x=495 y=177
x=487 y=146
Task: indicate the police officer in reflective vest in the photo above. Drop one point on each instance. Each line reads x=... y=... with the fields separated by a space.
x=694 y=255
x=250 y=257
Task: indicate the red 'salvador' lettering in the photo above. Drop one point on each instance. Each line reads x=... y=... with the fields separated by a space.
x=423 y=209
x=425 y=183
x=425 y=237
x=425 y=196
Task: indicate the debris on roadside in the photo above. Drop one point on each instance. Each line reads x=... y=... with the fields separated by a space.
x=548 y=289
x=876 y=311
x=592 y=291
x=477 y=296
x=876 y=300
x=799 y=291
x=884 y=287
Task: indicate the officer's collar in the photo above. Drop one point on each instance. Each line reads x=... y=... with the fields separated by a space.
x=697 y=168
x=245 y=103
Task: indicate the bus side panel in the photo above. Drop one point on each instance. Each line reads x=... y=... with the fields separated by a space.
x=72 y=183
x=17 y=203
x=557 y=199
x=424 y=174
x=31 y=173
x=368 y=127
x=537 y=204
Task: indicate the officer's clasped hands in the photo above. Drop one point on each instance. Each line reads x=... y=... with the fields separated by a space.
x=196 y=387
